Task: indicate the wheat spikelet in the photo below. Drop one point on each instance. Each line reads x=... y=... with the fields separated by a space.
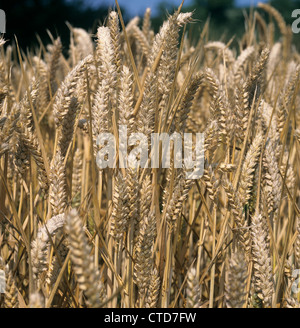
x=77 y=176
x=241 y=231
x=186 y=102
x=66 y=92
x=21 y=158
x=88 y=276
x=192 y=290
x=41 y=69
x=144 y=119
x=141 y=39
x=290 y=301
x=250 y=161
x=255 y=82
x=213 y=83
x=144 y=204
x=121 y=209
x=100 y=114
x=113 y=24
x=83 y=45
x=126 y=100
x=211 y=183
x=263 y=277
x=58 y=194
x=153 y=290
x=173 y=199
x=11 y=293
x=145 y=197
x=144 y=261
x=147 y=23
x=133 y=188
x=106 y=56
x=39 y=246
x=223 y=50
x=28 y=141
x=242 y=59
x=242 y=110
x=272 y=178
x=61 y=251
x=54 y=64
x=167 y=65
x=236 y=281
x=67 y=128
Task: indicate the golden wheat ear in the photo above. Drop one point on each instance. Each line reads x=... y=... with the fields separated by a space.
x=192 y=290
x=89 y=278
x=263 y=276
x=236 y=281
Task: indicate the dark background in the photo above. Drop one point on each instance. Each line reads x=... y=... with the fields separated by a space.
x=29 y=18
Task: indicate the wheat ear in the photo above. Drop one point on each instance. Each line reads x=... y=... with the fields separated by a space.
x=88 y=275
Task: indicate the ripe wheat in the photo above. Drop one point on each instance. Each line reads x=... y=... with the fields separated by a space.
x=76 y=235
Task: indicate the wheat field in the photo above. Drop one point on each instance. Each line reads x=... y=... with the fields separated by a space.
x=73 y=235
